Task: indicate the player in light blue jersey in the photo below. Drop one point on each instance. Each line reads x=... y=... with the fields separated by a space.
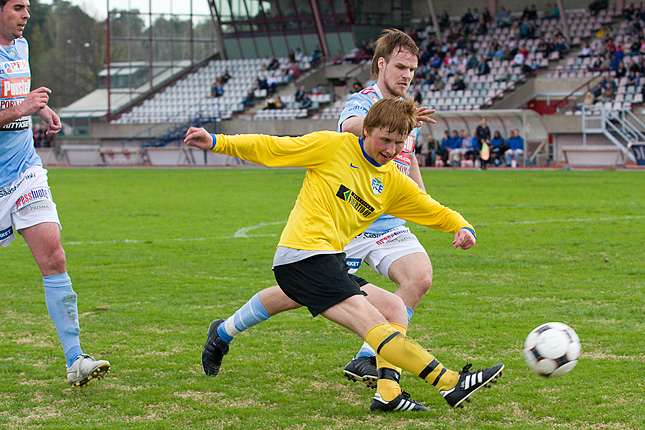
x=387 y=245
x=26 y=204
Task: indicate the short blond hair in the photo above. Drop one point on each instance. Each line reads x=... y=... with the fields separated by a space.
x=394 y=114
x=391 y=40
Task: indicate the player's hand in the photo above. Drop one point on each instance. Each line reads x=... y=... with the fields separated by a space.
x=464 y=239
x=424 y=115
x=199 y=138
x=35 y=100
x=51 y=119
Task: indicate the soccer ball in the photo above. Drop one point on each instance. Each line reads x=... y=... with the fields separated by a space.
x=552 y=349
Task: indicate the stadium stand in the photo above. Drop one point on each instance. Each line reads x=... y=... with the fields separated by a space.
x=477 y=66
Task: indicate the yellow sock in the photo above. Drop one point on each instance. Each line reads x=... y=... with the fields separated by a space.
x=401 y=351
x=388 y=374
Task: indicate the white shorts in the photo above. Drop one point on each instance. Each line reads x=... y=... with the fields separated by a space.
x=379 y=251
x=25 y=203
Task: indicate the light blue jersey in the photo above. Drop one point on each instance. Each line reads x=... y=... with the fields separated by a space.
x=17 y=152
x=358 y=105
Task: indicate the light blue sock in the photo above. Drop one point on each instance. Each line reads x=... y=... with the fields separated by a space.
x=252 y=313
x=368 y=351
x=61 y=305
x=410 y=313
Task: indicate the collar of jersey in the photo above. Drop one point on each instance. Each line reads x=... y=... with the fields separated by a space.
x=367 y=157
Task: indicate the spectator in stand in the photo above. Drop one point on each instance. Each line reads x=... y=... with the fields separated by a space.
x=621 y=70
x=249 y=99
x=596 y=6
x=497 y=149
x=482 y=132
x=442 y=153
x=444 y=20
x=306 y=102
x=561 y=44
x=518 y=59
x=272 y=103
x=300 y=93
x=338 y=59
x=601 y=63
x=298 y=56
x=632 y=79
x=274 y=64
x=225 y=77
x=470 y=148
x=586 y=51
x=588 y=99
x=428 y=151
x=356 y=86
x=637 y=65
x=554 y=12
x=455 y=149
x=483 y=68
x=265 y=62
x=439 y=84
x=316 y=56
x=417 y=96
x=472 y=61
x=353 y=56
x=261 y=83
x=272 y=83
x=614 y=62
x=515 y=149
x=503 y=18
x=597 y=92
x=216 y=88
x=459 y=83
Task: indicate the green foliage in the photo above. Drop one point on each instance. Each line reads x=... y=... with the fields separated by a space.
x=154 y=257
x=67 y=50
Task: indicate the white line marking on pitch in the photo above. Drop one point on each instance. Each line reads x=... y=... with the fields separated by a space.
x=243 y=232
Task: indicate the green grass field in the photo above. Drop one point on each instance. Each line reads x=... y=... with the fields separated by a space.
x=155 y=255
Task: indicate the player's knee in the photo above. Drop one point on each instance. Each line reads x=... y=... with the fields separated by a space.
x=420 y=285
x=56 y=261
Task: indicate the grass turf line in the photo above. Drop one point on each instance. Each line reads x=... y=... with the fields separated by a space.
x=153 y=259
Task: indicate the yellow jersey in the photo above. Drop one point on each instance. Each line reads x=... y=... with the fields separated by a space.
x=344 y=190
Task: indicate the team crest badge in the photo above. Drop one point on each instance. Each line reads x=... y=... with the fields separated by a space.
x=377 y=186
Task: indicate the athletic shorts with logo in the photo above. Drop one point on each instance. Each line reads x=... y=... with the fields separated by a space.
x=318 y=282
x=379 y=251
x=25 y=203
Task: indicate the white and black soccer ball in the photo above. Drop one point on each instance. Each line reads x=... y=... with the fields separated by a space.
x=552 y=349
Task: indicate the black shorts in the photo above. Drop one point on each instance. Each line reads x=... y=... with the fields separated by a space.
x=318 y=282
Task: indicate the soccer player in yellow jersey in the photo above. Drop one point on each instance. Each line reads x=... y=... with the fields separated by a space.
x=349 y=183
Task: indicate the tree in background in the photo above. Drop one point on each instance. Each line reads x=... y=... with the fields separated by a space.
x=67 y=50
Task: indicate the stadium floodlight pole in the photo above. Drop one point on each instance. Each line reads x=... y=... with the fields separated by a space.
x=435 y=23
x=563 y=22
x=107 y=59
x=319 y=27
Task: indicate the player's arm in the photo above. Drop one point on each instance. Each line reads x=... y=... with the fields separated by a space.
x=51 y=119
x=354 y=124
x=308 y=151
x=416 y=206
x=32 y=103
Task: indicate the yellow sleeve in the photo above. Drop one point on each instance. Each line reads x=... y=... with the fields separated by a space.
x=413 y=204
x=308 y=151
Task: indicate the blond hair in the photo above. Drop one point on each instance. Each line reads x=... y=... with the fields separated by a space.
x=394 y=114
x=391 y=40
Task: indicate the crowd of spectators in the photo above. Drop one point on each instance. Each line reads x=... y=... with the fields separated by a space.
x=456 y=54
x=460 y=149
